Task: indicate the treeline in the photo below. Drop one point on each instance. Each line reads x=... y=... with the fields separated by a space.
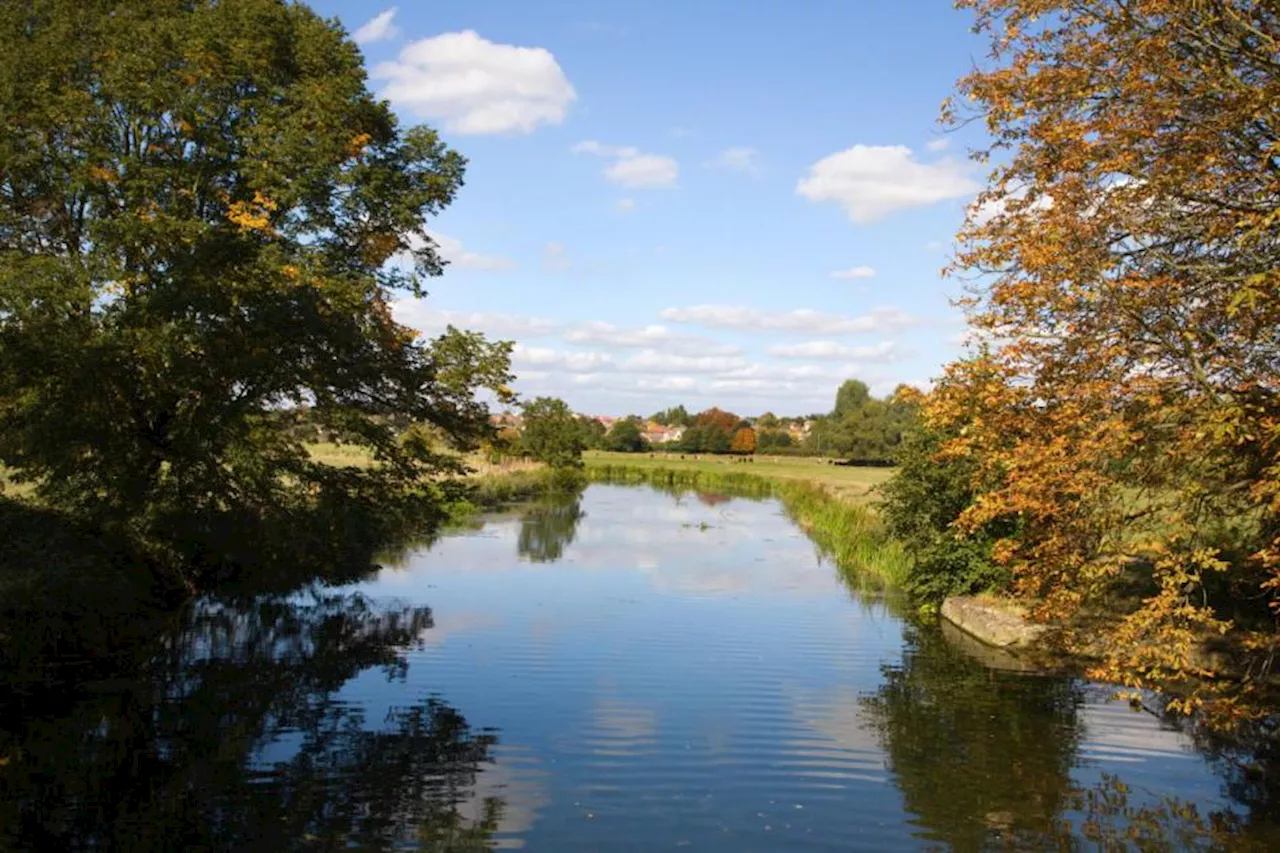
x=859 y=428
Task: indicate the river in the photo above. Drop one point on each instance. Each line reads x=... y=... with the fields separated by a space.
x=624 y=670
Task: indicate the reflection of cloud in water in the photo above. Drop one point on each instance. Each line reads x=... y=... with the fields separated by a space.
x=615 y=723
x=745 y=546
x=448 y=624
x=1113 y=732
x=845 y=748
x=516 y=780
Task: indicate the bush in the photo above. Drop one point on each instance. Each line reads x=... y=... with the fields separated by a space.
x=920 y=503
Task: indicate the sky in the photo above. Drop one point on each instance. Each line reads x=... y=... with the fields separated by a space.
x=738 y=204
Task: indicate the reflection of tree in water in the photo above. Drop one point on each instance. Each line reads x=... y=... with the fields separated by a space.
x=984 y=758
x=1248 y=759
x=549 y=528
x=234 y=738
x=978 y=754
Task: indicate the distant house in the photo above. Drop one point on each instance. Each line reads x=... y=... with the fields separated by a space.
x=607 y=420
x=507 y=420
x=658 y=434
x=799 y=430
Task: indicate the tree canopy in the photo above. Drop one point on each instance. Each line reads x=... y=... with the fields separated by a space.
x=552 y=433
x=204 y=217
x=626 y=436
x=1128 y=414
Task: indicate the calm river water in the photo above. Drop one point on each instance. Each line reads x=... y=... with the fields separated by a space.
x=629 y=670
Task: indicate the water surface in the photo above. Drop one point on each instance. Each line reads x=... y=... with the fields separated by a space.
x=627 y=670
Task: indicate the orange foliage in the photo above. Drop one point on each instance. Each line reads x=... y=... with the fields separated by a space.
x=720 y=420
x=1129 y=418
x=744 y=441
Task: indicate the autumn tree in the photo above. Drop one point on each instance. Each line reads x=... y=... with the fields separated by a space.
x=744 y=441
x=712 y=431
x=205 y=216
x=1130 y=264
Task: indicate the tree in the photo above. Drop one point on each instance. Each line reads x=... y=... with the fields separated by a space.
x=921 y=503
x=744 y=441
x=677 y=416
x=767 y=421
x=1132 y=419
x=768 y=440
x=551 y=433
x=204 y=217
x=711 y=432
x=593 y=432
x=626 y=436
x=850 y=397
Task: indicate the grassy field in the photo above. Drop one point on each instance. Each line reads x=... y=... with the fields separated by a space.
x=855 y=485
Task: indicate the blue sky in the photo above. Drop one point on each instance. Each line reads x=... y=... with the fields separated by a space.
x=714 y=203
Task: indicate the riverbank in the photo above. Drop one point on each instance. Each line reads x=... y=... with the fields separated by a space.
x=837 y=518
x=849 y=483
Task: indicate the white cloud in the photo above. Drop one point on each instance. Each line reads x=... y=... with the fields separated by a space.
x=452 y=250
x=475 y=86
x=648 y=337
x=1013 y=204
x=938 y=144
x=737 y=159
x=624 y=205
x=556 y=257
x=854 y=272
x=417 y=314
x=631 y=167
x=872 y=181
x=667 y=383
x=883 y=351
x=574 y=362
x=652 y=361
x=802 y=321
x=377 y=28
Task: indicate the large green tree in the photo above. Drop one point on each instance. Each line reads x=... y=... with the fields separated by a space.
x=626 y=436
x=205 y=217
x=552 y=434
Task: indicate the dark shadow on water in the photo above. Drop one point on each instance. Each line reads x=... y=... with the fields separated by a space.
x=131 y=721
x=984 y=760
x=234 y=736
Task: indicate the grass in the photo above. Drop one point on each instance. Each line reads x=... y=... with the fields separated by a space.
x=340 y=455
x=834 y=515
x=854 y=485
x=14 y=490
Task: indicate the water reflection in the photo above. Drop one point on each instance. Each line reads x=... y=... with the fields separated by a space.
x=674 y=672
x=989 y=757
x=237 y=736
x=549 y=528
x=974 y=751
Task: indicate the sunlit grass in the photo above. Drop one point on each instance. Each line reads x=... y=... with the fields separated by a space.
x=9 y=488
x=856 y=485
